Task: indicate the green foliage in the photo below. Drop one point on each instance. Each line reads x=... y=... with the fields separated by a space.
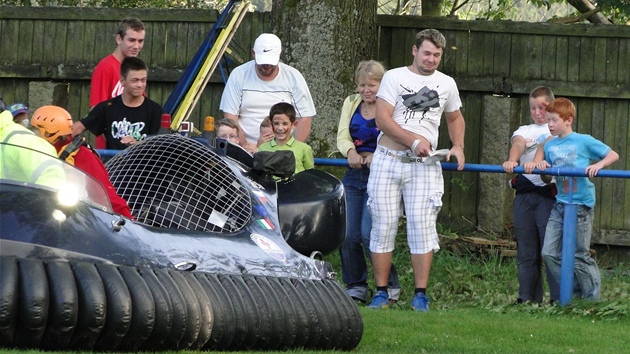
x=616 y=10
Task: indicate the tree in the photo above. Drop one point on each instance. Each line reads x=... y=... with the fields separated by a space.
x=325 y=40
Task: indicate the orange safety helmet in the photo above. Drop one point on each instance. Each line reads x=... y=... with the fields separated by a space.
x=52 y=122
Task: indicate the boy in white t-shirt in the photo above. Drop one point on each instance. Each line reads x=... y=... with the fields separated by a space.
x=533 y=202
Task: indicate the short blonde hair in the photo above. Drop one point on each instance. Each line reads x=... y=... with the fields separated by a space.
x=369 y=69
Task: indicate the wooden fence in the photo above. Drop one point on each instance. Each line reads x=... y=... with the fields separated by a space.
x=586 y=63
x=64 y=45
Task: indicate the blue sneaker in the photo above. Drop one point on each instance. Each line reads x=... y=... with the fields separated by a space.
x=380 y=300
x=420 y=302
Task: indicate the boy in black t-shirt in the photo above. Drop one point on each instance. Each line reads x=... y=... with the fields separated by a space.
x=126 y=119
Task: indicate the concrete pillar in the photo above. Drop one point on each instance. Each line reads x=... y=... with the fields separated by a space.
x=42 y=93
x=495 y=197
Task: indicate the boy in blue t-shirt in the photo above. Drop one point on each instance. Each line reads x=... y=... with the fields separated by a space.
x=571 y=149
x=282 y=116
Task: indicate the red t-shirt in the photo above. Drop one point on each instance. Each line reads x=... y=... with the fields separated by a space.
x=88 y=162
x=105 y=84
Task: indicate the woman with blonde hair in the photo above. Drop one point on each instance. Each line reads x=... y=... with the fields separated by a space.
x=356 y=140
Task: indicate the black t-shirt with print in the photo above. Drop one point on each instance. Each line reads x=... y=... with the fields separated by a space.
x=116 y=120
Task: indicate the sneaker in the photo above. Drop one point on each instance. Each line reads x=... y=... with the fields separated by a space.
x=420 y=302
x=380 y=300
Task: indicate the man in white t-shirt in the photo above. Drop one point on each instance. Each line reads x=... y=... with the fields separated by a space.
x=409 y=106
x=255 y=86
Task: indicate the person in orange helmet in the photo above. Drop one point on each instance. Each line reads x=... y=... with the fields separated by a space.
x=54 y=124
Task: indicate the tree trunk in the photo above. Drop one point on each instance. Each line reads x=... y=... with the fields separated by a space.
x=325 y=40
x=584 y=6
x=431 y=7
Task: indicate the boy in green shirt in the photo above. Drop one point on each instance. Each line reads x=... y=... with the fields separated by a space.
x=282 y=116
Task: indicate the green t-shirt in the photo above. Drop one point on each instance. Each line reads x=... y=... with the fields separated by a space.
x=302 y=152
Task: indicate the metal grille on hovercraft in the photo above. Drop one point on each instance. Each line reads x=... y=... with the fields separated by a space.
x=175 y=182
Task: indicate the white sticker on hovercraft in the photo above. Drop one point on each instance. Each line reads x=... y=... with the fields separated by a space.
x=255 y=184
x=217 y=218
x=270 y=247
x=262 y=197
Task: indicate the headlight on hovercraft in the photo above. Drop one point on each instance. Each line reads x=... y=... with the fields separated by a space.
x=68 y=195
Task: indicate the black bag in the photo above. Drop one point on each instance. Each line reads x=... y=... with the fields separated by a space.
x=275 y=163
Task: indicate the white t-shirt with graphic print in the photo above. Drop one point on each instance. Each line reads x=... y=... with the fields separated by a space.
x=419 y=100
x=534 y=135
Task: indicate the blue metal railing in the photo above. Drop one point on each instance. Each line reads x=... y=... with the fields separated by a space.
x=567 y=266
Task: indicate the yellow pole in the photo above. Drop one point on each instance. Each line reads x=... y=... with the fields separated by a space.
x=208 y=67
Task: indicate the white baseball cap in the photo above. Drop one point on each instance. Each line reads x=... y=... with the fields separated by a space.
x=267 y=49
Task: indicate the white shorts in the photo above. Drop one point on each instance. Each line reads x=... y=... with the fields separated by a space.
x=419 y=185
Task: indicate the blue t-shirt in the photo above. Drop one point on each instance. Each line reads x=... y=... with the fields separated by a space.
x=363 y=132
x=575 y=150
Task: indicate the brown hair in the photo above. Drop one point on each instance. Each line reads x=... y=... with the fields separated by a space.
x=542 y=91
x=227 y=122
x=132 y=63
x=129 y=23
x=432 y=35
x=563 y=107
x=282 y=108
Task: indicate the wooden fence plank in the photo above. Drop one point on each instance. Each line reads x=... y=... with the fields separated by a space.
x=74 y=47
x=519 y=57
x=476 y=57
x=624 y=59
x=10 y=39
x=25 y=36
x=548 y=55
x=488 y=53
x=534 y=57
x=587 y=61
x=502 y=63
x=573 y=64
x=562 y=59
x=612 y=60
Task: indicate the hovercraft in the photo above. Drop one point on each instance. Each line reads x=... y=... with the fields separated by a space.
x=209 y=261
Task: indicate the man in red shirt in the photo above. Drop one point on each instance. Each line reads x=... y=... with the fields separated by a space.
x=54 y=124
x=105 y=82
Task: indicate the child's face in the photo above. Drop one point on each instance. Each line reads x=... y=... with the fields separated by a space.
x=266 y=134
x=537 y=109
x=282 y=127
x=227 y=133
x=266 y=130
x=557 y=126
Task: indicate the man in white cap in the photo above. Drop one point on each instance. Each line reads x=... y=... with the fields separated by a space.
x=255 y=86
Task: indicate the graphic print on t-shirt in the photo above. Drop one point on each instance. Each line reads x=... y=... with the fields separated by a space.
x=564 y=156
x=421 y=101
x=125 y=128
x=531 y=144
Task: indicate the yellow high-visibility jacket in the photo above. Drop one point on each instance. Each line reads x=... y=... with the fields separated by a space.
x=25 y=157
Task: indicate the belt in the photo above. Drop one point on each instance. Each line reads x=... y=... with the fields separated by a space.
x=404 y=156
